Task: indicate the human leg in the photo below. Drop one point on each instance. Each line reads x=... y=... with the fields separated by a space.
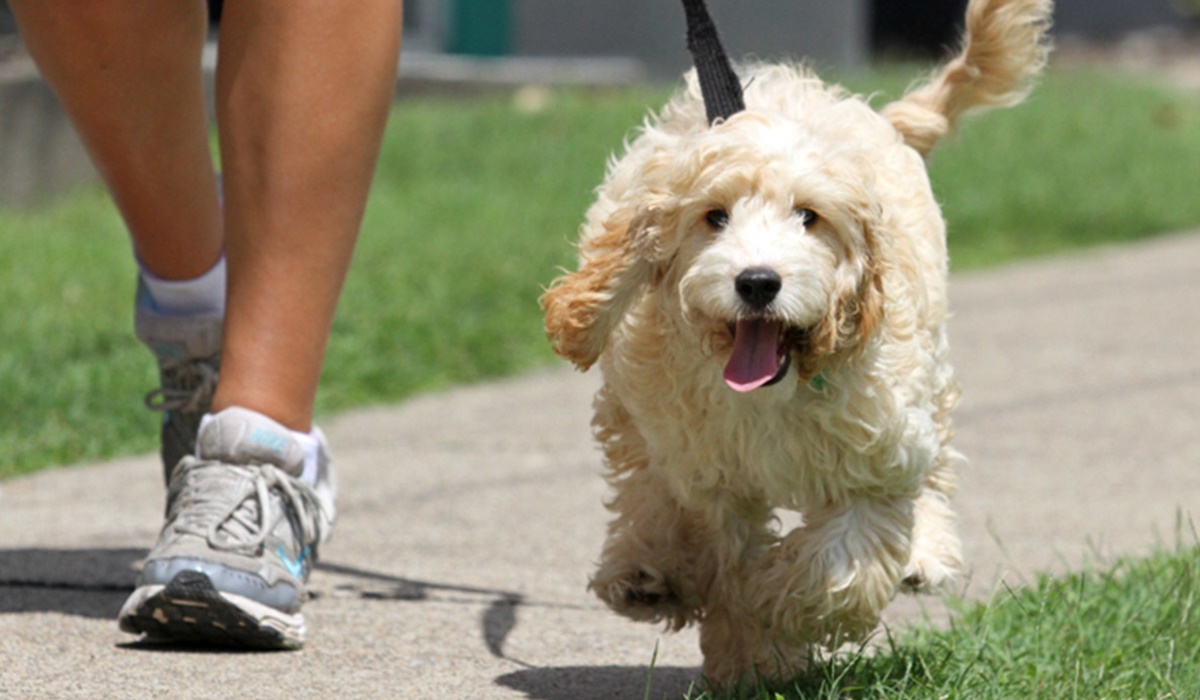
x=301 y=110
x=303 y=91
x=129 y=75
x=302 y=106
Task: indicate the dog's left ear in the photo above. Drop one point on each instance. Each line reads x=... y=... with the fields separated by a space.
x=852 y=322
x=584 y=307
x=867 y=308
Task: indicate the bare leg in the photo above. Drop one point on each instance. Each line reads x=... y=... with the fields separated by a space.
x=303 y=91
x=129 y=75
x=304 y=88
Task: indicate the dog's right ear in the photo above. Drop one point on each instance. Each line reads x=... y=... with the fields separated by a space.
x=584 y=307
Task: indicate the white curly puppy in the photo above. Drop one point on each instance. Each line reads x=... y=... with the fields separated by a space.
x=766 y=296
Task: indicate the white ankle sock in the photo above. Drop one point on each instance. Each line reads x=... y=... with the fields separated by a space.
x=308 y=442
x=202 y=295
x=312 y=449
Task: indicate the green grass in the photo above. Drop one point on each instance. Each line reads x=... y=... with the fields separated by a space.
x=1128 y=632
x=1087 y=160
x=473 y=211
x=475 y=208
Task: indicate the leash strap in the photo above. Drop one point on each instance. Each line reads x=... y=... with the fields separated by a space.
x=719 y=85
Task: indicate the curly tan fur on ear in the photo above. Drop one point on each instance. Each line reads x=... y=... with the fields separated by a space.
x=847 y=327
x=868 y=311
x=868 y=308
x=584 y=307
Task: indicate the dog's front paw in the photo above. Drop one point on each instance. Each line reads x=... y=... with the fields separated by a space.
x=936 y=555
x=928 y=571
x=641 y=593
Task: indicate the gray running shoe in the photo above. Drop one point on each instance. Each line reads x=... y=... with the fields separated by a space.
x=241 y=536
x=188 y=349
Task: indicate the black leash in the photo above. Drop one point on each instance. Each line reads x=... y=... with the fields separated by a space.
x=719 y=85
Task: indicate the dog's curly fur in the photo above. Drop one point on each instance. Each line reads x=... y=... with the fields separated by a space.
x=832 y=200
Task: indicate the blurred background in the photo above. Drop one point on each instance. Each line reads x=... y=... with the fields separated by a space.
x=604 y=42
x=506 y=114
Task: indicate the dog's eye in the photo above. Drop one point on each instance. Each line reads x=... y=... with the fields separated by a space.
x=807 y=216
x=717 y=218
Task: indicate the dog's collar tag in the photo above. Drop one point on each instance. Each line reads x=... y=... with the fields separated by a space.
x=819 y=382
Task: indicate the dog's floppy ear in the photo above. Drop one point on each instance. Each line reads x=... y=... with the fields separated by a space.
x=584 y=307
x=852 y=321
x=1003 y=50
x=867 y=310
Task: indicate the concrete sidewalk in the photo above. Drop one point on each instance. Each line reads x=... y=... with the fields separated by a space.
x=470 y=519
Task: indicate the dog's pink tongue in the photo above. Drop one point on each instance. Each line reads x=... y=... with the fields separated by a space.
x=755 y=359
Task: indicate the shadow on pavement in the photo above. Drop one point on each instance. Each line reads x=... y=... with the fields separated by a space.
x=175 y=647
x=603 y=682
x=83 y=582
x=498 y=619
x=93 y=583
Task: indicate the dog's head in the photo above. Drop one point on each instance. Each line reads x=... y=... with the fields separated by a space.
x=773 y=231
x=763 y=233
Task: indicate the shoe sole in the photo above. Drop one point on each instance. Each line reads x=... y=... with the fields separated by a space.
x=190 y=610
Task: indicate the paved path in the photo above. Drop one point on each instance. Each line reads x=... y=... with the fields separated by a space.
x=470 y=519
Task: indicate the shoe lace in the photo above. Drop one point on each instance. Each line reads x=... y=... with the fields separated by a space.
x=231 y=508
x=187 y=384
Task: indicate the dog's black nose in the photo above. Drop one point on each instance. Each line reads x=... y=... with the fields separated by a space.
x=757 y=286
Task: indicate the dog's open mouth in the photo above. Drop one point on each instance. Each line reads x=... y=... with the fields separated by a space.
x=762 y=353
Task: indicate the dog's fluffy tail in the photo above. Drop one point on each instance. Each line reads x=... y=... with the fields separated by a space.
x=1003 y=50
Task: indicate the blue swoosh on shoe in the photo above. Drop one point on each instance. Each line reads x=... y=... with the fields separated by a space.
x=295 y=566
